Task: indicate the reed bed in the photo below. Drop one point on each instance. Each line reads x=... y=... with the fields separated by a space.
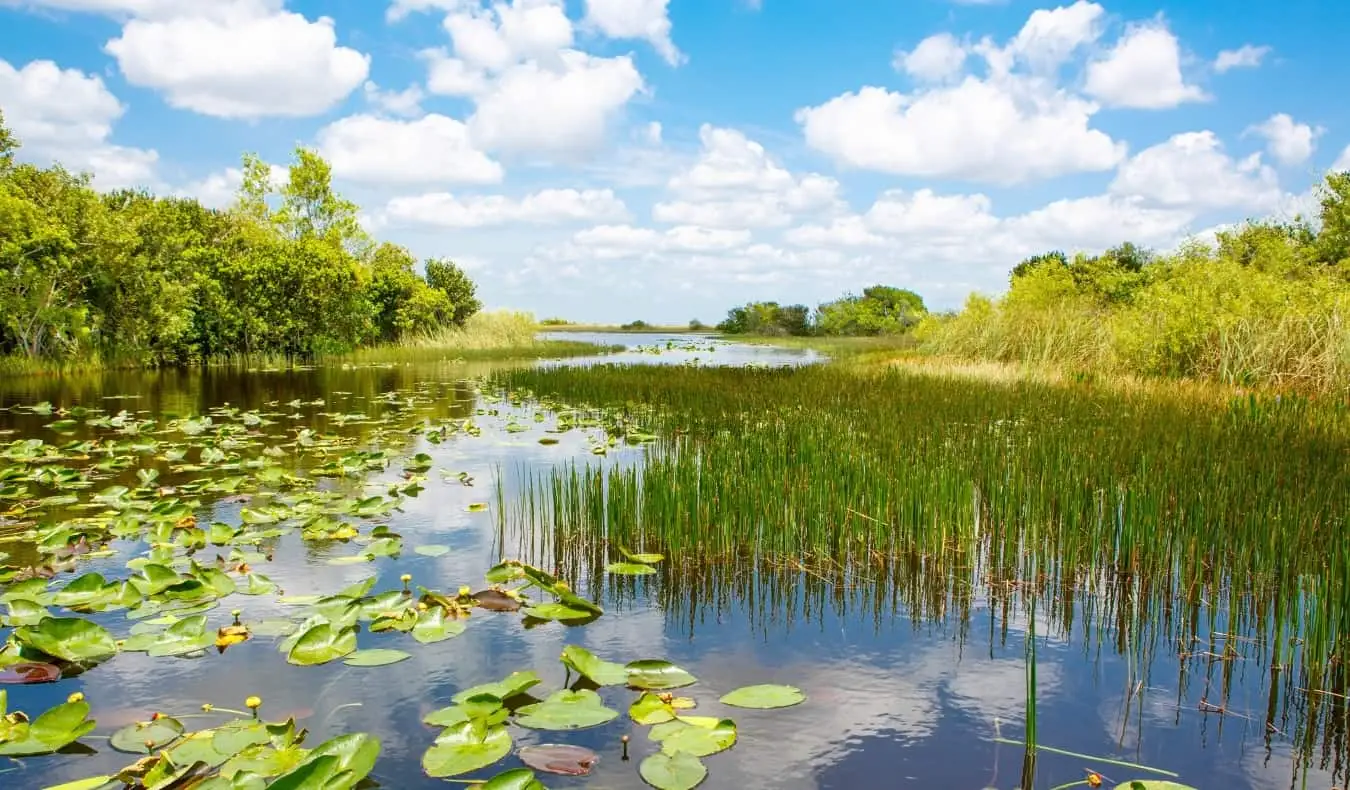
x=1213 y=530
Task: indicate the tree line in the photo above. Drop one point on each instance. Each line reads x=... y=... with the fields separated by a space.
x=130 y=277
x=878 y=310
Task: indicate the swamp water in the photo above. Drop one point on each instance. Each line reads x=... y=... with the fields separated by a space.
x=912 y=667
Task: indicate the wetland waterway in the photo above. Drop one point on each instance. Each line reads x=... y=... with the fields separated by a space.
x=912 y=666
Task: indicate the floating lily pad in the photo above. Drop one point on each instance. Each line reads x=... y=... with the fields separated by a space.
x=53 y=730
x=514 y=779
x=515 y=684
x=321 y=644
x=566 y=710
x=657 y=675
x=460 y=749
x=29 y=672
x=764 y=697
x=557 y=611
x=559 y=758
x=432 y=550
x=71 y=639
x=496 y=601
x=700 y=736
x=1152 y=784
x=376 y=658
x=599 y=671
x=680 y=771
x=146 y=737
x=188 y=635
x=629 y=569
x=433 y=626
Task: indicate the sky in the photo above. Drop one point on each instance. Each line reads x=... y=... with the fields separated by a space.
x=664 y=160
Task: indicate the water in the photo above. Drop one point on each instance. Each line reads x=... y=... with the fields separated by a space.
x=895 y=699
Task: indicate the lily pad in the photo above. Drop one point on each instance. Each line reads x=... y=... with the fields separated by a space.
x=71 y=639
x=53 y=730
x=680 y=771
x=700 y=736
x=496 y=601
x=1152 y=784
x=514 y=779
x=566 y=710
x=188 y=635
x=657 y=675
x=559 y=758
x=376 y=658
x=459 y=750
x=764 y=697
x=599 y=671
x=321 y=644
x=629 y=569
x=24 y=672
x=433 y=626
x=147 y=737
x=432 y=550
x=515 y=684
x=557 y=611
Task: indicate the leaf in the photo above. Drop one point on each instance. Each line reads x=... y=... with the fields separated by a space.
x=559 y=758
x=23 y=672
x=53 y=730
x=432 y=626
x=566 y=710
x=1152 y=784
x=147 y=737
x=91 y=783
x=647 y=559
x=484 y=707
x=649 y=708
x=513 y=685
x=678 y=772
x=699 y=736
x=656 y=674
x=514 y=779
x=557 y=611
x=376 y=658
x=459 y=750
x=600 y=672
x=431 y=550
x=629 y=569
x=72 y=639
x=188 y=635
x=321 y=644
x=764 y=697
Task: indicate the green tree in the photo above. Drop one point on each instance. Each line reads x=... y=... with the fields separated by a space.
x=446 y=276
x=1053 y=258
x=403 y=302
x=9 y=144
x=1332 y=244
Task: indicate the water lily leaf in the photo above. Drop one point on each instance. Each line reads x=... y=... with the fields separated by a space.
x=477 y=507
x=629 y=569
x=697 y=735
x=274 y=626
x=459 y=750
x=484 y=707
x=600 y=672
x=764 y=697
x=1152 y=784
x=559 y=758
x=93 y=783
x=321 y=644
x=566 y=710
x=432 y=550
x=147 y=737
x=352 y=757
x=72 y=639
x=648 y=558
x=53 y=730
x=650 y=709
x=496 y=601
x=514 y=779
x=188 y=635
x=376 y=658
x=25 y=611
x=23 y=672
x=557 y=611
x=434 y=626
x=513 y=685
x=656 y=674
x=680 y=771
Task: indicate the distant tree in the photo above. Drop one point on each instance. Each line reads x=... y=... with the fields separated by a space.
x=445 y=275
x=696 y=326
x=881 y=309
x=636 y=325
x=1333 y=240
x=8 y=145
x=1055 y=257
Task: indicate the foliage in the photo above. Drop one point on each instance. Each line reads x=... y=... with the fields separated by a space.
x=129 y=278
x=879 y=310
x=767 y=318
x=1268 y=303
x=637 y=325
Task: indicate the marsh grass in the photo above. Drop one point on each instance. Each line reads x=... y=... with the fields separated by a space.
x=1212 y=529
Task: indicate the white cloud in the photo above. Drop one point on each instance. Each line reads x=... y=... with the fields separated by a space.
x=451 y=76
x=651 y=133
x=67 y=115
x=1191 y=170
x=406 y=102
x=526 y=29
x=1007 y=131
x=931 y=216
x=1246 y=56
x=144 y=8
x=218 y=189
x=1093 y=224
x=850 y=231
x=431 y=149
x=398 y=9
x=621 y=241
x=644 y=19
x=1051 y=36
x=1291 y=143
x=442 y=209
x=1343 y=161
x=1142 y=71
x=243 y=60
x=554 y=112
x=936 y=58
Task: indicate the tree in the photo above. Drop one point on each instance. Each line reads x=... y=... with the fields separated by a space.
x=446 y=276
x=882 y=309
x=402 y=301
x=1333 y=240
x=1053 y=258
x=8 y=145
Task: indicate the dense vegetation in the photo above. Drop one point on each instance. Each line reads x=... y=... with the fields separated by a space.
x=132 y=278
x=880 y=310
x=1269 y=303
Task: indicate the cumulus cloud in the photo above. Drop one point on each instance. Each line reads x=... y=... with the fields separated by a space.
x=548 y=206
x=640 y=19
x=1052 y=36
x=241 y=60
x=433 y=148
x=936 y=58
x=67 y=116
x=1290 y=142
x=1142 y=71
x=1343 y=161
x=407 y=102
x=1191 y=170
x=1247 y=56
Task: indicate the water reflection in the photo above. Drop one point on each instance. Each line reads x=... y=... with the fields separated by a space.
x=909 y=672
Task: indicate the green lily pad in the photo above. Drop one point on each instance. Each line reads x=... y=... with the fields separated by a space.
x=557 y=611
x=146 y=737
x=646 y=559
x=483 y=707
x=649 y=708
x=321 y=644
x=376 y=658
x=53 y=730
x=513 y=685
x=1152 y=784
x=629 y=569
x=657 y=675
x=71 y=639
x=599 y=671
x=459 y=750
x=433 y=626
x=566 y=710
x=514 y=779
x=188 y=635
x=680 y=771
x=697 y=735
x=764 y=697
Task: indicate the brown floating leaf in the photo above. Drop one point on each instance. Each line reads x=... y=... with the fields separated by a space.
x=496 y=601
x=559 y=758
x=29 y=672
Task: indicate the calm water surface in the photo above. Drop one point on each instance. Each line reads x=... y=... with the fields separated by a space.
x=896 y=698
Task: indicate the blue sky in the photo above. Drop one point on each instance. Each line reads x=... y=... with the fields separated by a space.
x=665 y=159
